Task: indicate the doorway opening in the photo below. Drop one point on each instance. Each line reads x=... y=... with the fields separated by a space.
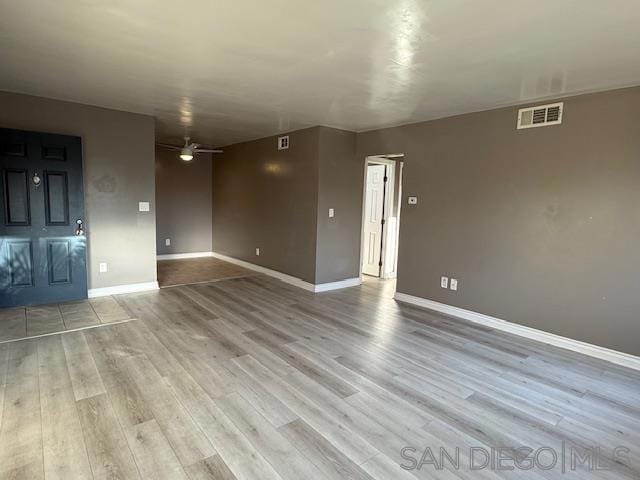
x=381 y=216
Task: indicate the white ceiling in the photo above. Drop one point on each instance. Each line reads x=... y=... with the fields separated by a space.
x=233 y=70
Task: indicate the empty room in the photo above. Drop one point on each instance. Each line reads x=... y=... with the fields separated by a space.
x=372 y=240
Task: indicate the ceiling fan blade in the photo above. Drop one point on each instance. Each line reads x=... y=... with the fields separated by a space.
x=170 y=147
x=204 y=150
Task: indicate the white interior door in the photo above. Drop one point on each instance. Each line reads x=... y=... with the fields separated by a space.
x=374 y=205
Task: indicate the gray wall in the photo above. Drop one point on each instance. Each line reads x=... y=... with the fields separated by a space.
x=267 y=198
x=118 y=154
x=339 y=187
x=541 y=227
x=279 y=201
x=183 y=202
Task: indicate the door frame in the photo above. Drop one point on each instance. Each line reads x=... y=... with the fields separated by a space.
x=391 y=161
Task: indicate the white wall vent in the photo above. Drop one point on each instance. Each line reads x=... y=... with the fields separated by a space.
x=283 y=142
x=540 y=116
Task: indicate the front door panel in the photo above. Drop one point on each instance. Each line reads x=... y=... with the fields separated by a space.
x=42 y=260
x=20 y=260
x=17 y=197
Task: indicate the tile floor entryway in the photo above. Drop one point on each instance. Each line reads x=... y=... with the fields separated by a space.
x=33 y=321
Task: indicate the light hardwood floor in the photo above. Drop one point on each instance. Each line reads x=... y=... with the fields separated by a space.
x=253 y=379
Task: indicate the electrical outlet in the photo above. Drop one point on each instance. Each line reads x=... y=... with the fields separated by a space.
x=331 y=213
x=257 y=252
x=102 y=267
x=444 y=282
x=453 y=285
x=167 y=241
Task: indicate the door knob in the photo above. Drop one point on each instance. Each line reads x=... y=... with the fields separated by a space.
x=79 y=228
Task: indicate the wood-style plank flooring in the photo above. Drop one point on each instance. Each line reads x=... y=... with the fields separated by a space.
x=253 y=379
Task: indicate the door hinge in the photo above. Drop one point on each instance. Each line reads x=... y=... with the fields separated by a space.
x=380 y=263
x=383 y=221
x=385 y=178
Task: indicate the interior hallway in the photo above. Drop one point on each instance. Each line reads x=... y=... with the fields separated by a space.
x=251 y=378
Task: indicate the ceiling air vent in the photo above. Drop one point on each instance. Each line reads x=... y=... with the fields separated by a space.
x=540 y=116
x=283 y=142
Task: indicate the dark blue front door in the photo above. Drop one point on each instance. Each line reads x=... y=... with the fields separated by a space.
x=42 y=242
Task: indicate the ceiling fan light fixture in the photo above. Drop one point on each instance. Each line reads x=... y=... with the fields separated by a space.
x=186 y=154
x=189 y=150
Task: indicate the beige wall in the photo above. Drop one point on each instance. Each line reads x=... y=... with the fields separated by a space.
x=541 y=226
x=118 y=154
x=267 y=198
x=183 y=202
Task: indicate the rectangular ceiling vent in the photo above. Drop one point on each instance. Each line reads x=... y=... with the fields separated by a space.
x=283 y=142
x=540 y=116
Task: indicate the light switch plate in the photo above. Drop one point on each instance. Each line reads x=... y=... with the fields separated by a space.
x=331 y=213
x=257 y=252
x=444 y=282
x=102 y=267
x=413 y=200
x=167 y=241
x=143 y=206
x=453 y=284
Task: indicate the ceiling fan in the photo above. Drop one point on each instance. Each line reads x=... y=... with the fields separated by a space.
x=189 y=150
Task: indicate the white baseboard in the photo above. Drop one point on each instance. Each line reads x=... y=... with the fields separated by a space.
x=295 y=281
x=349 y=282
x=613 y=356
x=267 y=271
x=177 y=256
x=118 y=289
